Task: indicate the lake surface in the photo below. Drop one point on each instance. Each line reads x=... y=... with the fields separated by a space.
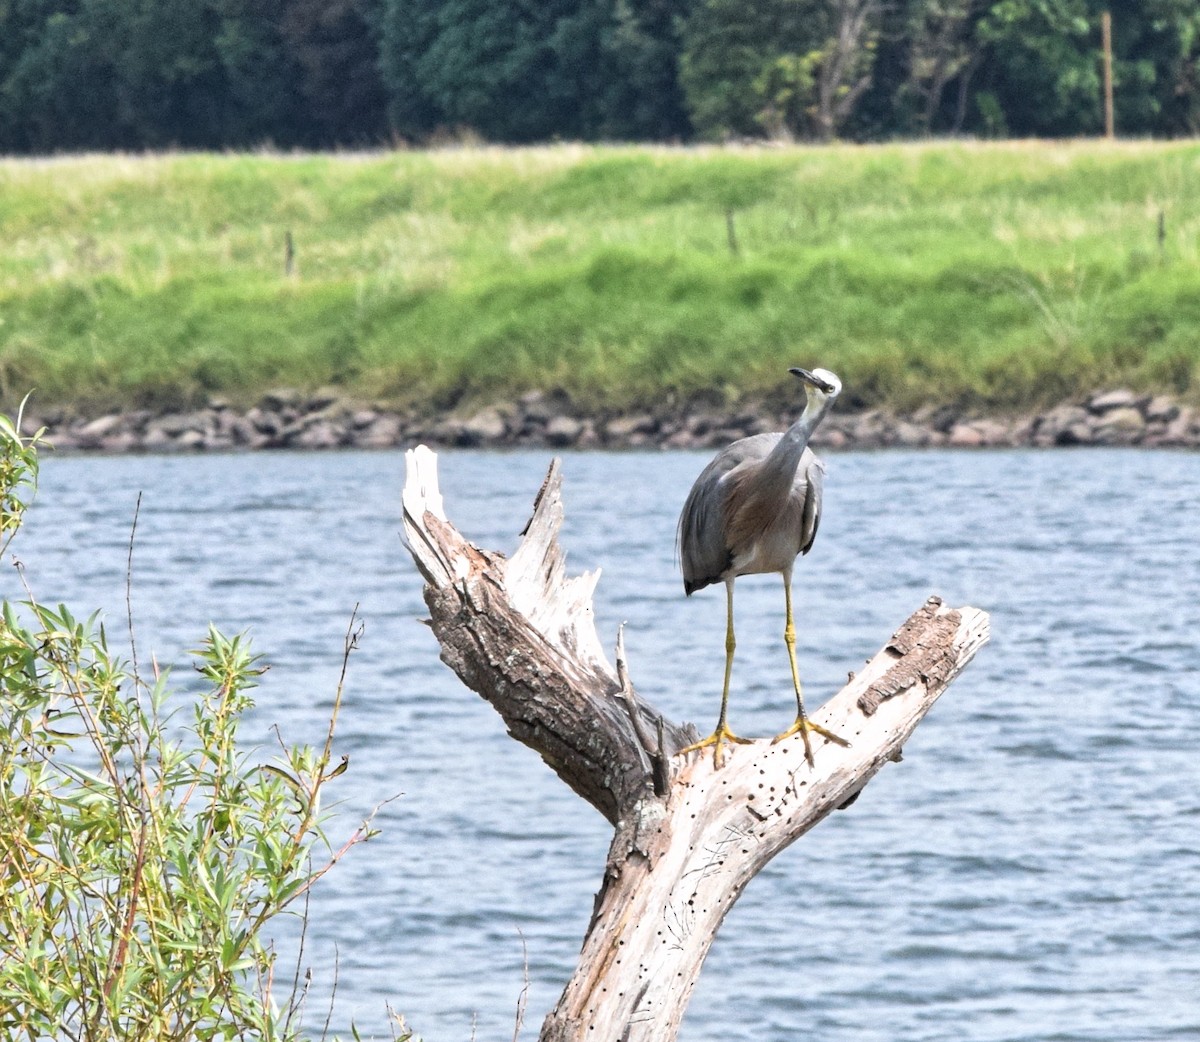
x=1031 y=871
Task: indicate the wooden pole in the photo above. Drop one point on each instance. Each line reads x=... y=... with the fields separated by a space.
x=687 y=836
x=1106 y=41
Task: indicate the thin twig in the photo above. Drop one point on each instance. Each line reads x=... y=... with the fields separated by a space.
x=293 y=1006
x=521 y=999
x=137 y=675
x=354 y=632
x=337 y=958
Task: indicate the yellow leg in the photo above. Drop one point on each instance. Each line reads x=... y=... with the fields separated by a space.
x=722 y=733
x=802 y=724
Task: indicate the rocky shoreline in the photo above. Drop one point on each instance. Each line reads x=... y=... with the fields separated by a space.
x=289 y=419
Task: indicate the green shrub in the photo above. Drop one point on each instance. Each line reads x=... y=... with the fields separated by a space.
x=142 y=849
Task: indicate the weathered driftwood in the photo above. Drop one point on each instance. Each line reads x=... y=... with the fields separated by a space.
x=688 y=836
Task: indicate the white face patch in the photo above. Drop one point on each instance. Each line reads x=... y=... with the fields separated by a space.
x=831 y=379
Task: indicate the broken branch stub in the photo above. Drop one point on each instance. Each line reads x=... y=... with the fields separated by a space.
x=688 y=837
x=522 y=635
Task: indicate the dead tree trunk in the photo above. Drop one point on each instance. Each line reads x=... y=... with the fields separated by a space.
x=688 y=837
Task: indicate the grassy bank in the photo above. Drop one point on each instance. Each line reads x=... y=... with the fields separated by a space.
x=991 y=274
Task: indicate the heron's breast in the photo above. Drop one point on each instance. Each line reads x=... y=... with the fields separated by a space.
x=773 y=546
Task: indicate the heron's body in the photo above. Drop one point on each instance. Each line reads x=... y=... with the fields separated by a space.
x=718 y=538
x=755 y=508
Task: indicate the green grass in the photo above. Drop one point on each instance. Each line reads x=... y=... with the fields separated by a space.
x=996 y=275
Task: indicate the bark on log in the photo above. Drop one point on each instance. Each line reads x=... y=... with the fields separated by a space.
x=688 y=836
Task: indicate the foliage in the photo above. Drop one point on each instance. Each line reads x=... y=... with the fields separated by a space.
x=746 y=68
x=334 y=45
x=142 y=850
x=97 y=74
x=18 y=474
x=994 y=274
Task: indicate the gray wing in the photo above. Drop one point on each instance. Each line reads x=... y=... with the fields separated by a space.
x=703 y=551
x=810 y=481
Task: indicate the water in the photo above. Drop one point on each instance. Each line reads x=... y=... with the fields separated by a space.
x=1031 y=871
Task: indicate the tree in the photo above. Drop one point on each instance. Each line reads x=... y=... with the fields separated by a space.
x=747 y=68
x=688 y=836
x=942 y=48
x=171 y=83
x=644 y=99
x=256 y=98
x=408 y=29
x=1156 y=67
x=59 y=88
x=794 y=67
x=334 y=48
x=488 y=68
x=845 y=66
x=1039 y=74
x=513 y=71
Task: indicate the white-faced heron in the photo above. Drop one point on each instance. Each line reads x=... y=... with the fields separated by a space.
x=754 y=509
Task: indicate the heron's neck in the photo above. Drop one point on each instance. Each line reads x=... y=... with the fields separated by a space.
x=784 y=458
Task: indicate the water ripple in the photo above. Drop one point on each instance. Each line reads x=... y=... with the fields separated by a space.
x=1029 y=872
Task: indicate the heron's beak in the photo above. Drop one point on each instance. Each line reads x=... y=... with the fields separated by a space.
x=808 y=378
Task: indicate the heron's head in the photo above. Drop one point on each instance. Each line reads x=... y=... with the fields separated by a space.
x=820 y=381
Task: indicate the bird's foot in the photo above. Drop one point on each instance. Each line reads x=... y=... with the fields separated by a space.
x=803 y=726
x=721 y=734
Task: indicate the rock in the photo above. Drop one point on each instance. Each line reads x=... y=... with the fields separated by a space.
x=562 y=431
x=749 y=423
x=937 y=417
x=1120 y=426
x=325 y=419
x=323 y=398
x=155 y=439
x=280 y=398
x=587 y=437
x=680 y=439
x=716 y=439
x=62 y=440
x=620 y=429
x=1161 y=409
x=237 y=428
x=263 y=420
x=994 y=432
x=322 y=435
x=965 y=436
x=1021 y=432
x=1078 y=433
x=534 y=408
x=120 y=441
x=383 y=433
x=700 y=424
x=97 y=429
x=1178 y=430
x=176 y=424
x=909 y=435
x=484 y=428
x=1064 y=425
x=1123 y=398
